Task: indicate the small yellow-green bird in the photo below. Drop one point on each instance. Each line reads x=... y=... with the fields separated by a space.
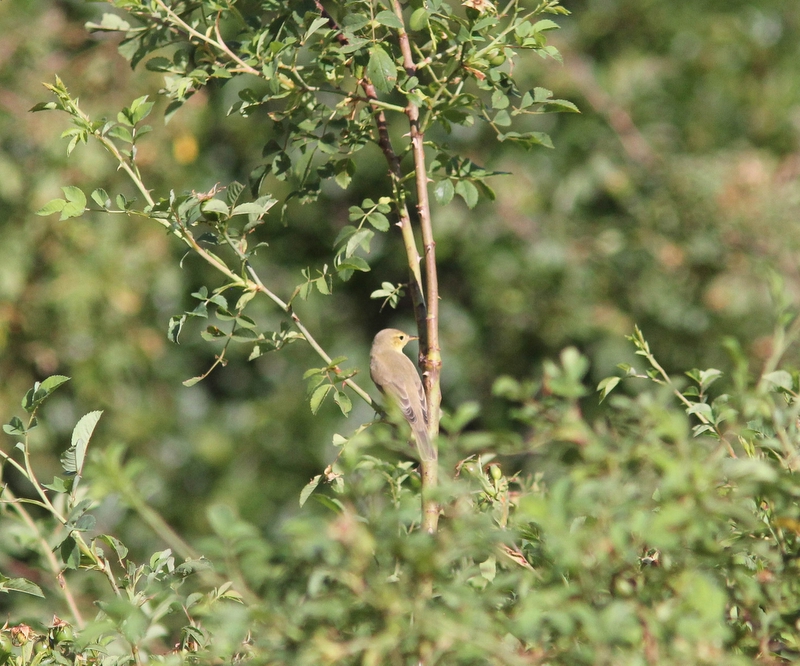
x=396 y=377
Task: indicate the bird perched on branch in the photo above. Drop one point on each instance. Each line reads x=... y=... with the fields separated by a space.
x=396 y=377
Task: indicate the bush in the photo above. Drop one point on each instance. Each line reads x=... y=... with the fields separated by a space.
x=660 y=529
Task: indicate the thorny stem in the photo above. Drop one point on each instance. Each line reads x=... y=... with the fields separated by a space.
x=395 y=172
x=429 y=342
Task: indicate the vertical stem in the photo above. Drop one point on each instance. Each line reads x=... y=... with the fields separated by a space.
x=396 y=174
x=429 y=334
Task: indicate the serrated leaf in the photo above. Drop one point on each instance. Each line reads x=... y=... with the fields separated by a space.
x=81 y=435
x=122 y=133
x=309 y=488
x=378 y=220
x=499 y=100
x=381 y=70
x=22 y=585
x=545 y=24
x=52 y=206
x=53 y=382
x=318 y=396
x=233 y=192
x=343 y=400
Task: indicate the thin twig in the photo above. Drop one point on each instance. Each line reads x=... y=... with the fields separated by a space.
x=48 y=554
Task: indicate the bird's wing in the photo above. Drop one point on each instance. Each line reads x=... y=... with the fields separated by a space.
x=406 y=387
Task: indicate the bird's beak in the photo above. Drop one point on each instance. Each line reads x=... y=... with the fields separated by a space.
x=413 y=337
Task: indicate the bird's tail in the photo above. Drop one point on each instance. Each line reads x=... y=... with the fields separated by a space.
x=424 y=446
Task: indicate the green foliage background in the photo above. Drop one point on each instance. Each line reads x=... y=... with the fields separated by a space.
x=670 y=202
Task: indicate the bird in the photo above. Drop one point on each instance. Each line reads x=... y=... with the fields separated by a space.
x=396 y=377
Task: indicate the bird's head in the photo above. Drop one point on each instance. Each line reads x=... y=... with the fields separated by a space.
x=393 y=339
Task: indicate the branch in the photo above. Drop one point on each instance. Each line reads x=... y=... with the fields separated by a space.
x=395 y=172
x=429 y=333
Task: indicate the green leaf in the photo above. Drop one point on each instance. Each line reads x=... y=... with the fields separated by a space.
x=53 y=382
x=119 y=548
x=40 y=391
x=22 y=585
x=502 y=119
x=176 y=326
x=73 y=459
x=389 y=19
x=419 y=19
x=318 y=396
x=499 y=100
x=545 y=24
x=215 y=206
x=443 y=192
x=121 y=133
x=59 y=485
x=52 y=206
x=109 y=23
x=70 y=553
x=344 y=171
x=316 y=24
x=158 y=65
x=309 y=488
x=76 y=202
x=488 y=568
x=101 y=198
x=779 y=379
x=607 y=385
x=353 y=263
x=15 y=427
x=379 y=221
x=381 y=69
x=468 y=192
x=701 y=409
x=343 y=400
x=361 y=239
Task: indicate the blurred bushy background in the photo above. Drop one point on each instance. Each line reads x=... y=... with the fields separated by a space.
x=670 y=202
